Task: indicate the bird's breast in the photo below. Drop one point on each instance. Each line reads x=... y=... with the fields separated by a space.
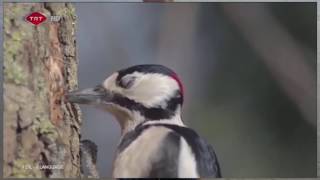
x=137 y=151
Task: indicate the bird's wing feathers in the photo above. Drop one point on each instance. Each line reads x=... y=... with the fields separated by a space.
x=207 y=162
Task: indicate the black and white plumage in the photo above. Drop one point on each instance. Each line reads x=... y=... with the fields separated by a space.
x=147 y=101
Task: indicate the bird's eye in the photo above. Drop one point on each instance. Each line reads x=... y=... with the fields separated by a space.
x=126 y=82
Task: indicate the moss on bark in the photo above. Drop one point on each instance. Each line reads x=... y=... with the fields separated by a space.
x=39 y=67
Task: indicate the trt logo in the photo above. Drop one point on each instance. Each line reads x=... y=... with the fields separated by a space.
x=36 y=18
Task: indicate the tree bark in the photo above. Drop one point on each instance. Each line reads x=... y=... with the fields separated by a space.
x=39 y=67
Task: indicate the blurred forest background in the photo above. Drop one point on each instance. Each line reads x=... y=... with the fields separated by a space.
x=249 y=70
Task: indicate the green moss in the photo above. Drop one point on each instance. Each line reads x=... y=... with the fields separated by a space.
x=13 y=45
x=14 y=72
x=13 y=42
x=45 y=127
x=17 y=36
x=14 y=9
x=12 y=48
x=72 y=11
x=73 y=81
x=6 y=23
x=22 y=168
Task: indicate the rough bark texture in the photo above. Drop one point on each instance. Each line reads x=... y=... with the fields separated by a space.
x=39 y=67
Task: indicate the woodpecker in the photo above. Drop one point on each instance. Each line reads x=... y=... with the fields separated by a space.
x=155 y=143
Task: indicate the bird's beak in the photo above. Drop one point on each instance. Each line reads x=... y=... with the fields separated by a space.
x=89 y=96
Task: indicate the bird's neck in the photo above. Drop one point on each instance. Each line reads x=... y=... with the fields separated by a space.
x=136 y=119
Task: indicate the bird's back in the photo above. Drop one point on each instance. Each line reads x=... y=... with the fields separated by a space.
x=165 y=151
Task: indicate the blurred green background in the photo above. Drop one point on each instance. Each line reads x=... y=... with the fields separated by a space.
x=249 y=70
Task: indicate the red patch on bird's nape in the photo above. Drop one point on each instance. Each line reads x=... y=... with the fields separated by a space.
x=176 y=78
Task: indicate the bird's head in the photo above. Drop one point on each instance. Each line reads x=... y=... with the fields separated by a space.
x=138 y=93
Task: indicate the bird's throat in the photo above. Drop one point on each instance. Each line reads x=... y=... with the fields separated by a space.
x=129 y=120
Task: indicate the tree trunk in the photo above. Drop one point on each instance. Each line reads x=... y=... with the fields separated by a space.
x=40 y=65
